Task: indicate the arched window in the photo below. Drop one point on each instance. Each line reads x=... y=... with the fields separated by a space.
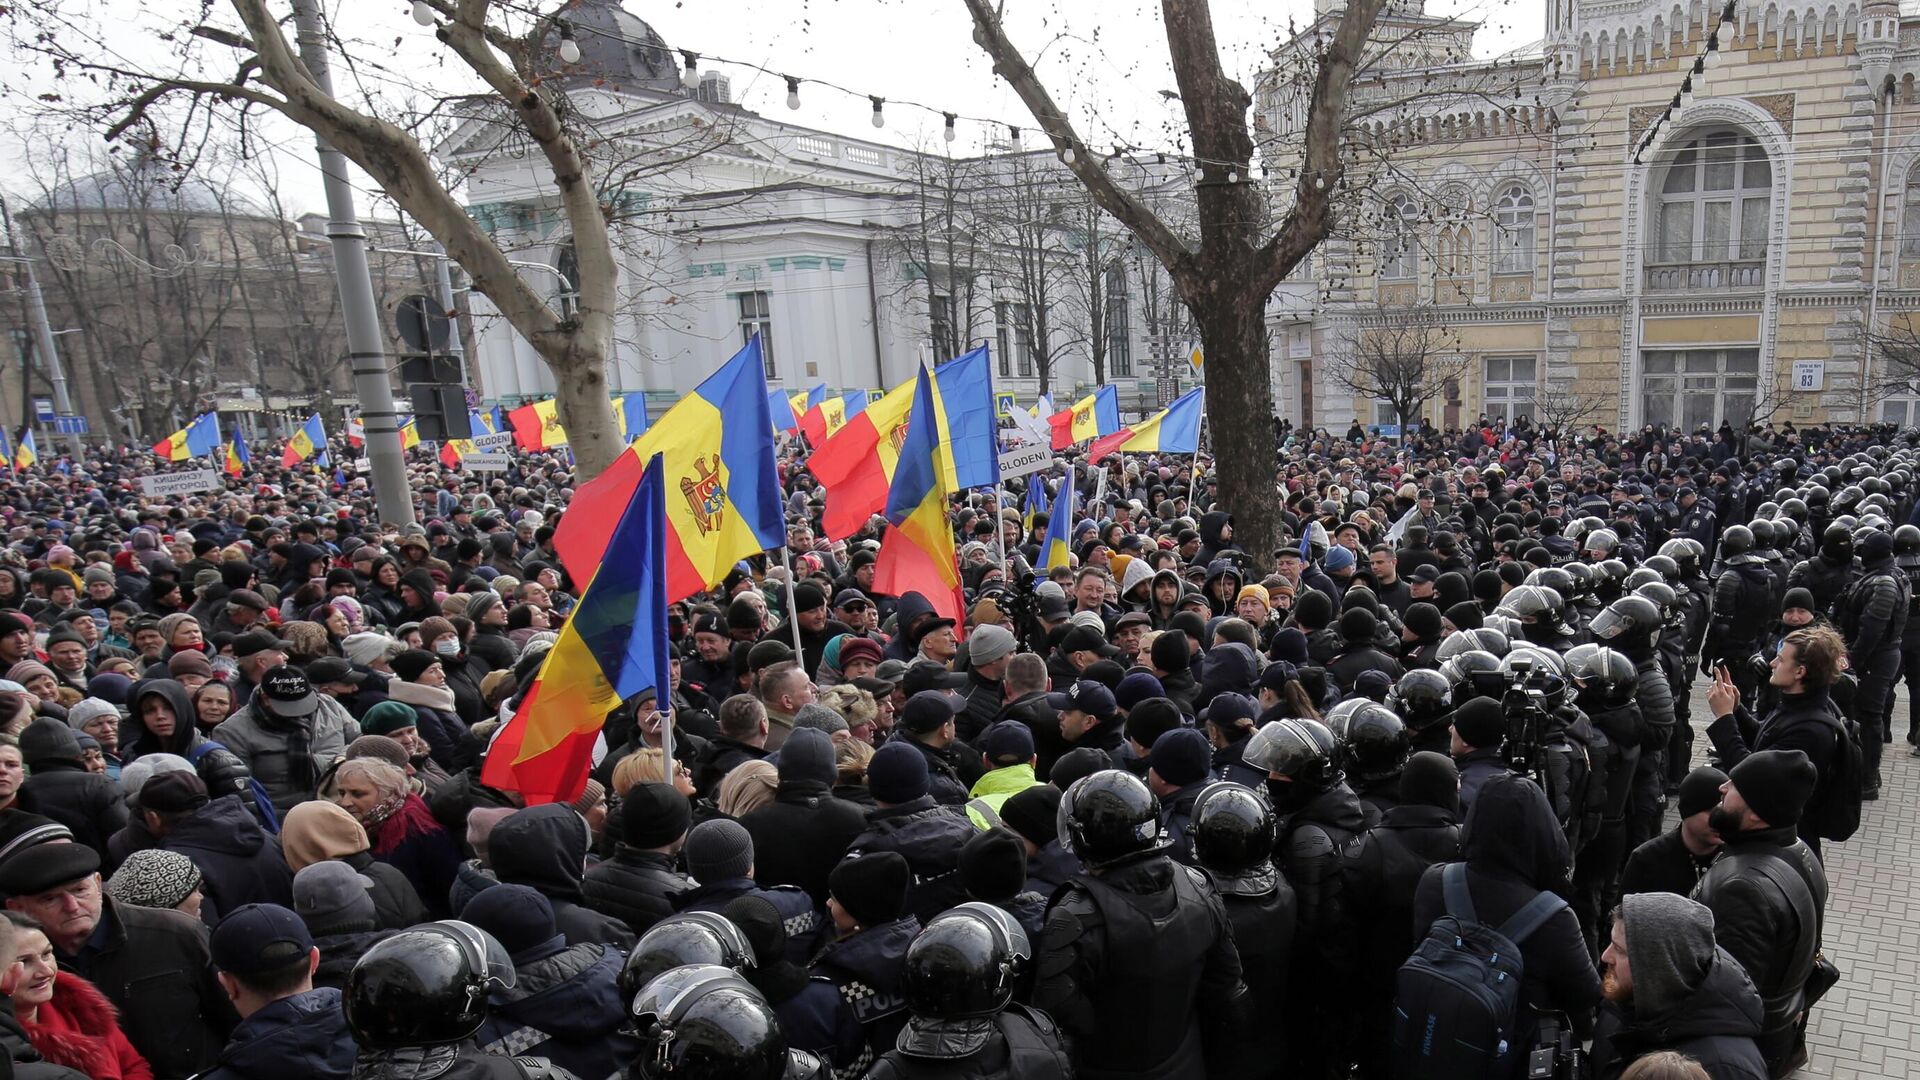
x=1513 y=236
x=1713 y=202
x=1399 y=250
x=1910 y=216
x=567 y=267
x=1456 y=251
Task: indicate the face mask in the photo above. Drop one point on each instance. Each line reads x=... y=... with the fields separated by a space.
x=447 y=647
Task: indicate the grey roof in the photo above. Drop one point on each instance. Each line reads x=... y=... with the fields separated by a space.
x=615 y=46
x=144 y=185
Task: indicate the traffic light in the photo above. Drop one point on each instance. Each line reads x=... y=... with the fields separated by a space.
x=439 y=402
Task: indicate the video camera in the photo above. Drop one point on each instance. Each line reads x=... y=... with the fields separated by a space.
x=1525 y=708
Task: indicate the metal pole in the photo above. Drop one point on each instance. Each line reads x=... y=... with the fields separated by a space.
x=43 y=342
x=365 y=343
x=1000 y=530
x=455 y=347
x=793 y=616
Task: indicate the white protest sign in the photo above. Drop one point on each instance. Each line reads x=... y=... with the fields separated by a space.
x=499 y=442
x=1023 y=460
x=185 y=482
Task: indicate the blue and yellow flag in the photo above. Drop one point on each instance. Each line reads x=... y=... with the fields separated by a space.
x=1056 y=549
x=237 y=454
x=916 y=554
x=309 y=440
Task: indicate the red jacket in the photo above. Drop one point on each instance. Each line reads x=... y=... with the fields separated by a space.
x=78 y=1029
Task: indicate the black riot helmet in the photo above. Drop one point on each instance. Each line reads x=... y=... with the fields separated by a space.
x=1737 y=540
x=965 y=963
x=1794 y=510
x=1580 y=577
x=1836 y=544
x=1471 y=674
x=1231 y=829
x=1603 y=677
x=1482 y=638
x=1630 y=624
x=707 y=1023
x=1668 y=570
x=1685 y=552
x=1600 y=544
x=1376 y=743
x=1552 y=577
x=1108 y=816
x=1539 y=610
x=1302 y=751
x=1642 y=575
x=1421 y=698
x=691 y=937
x=425 y=986
x=1906 y=540
x=1762 y=531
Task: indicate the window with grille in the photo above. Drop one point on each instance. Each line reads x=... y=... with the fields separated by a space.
x=756 y=317
x=1694 y=388
x=1509 y=387
x=1399 y=251
x=1513 y=235
x=1714 y=202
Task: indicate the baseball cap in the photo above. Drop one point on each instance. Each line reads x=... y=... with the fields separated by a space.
x=333 y=669
x=849 y=598
x=1008 y=742
x=928 y=709
x=258 y=641
x=930 y=675
x=1426 y=573
x=1087 y=639
x=1088 y=697
x=256 y=938
x=247 y=598
x=288 y=692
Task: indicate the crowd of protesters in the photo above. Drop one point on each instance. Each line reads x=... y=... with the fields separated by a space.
x=1423 y=792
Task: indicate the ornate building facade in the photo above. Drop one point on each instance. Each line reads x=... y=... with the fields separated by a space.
x=1611 y=235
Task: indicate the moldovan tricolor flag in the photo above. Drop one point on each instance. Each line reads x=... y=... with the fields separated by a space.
x=1092 y=416
x=1173 y=430
x=855 y=464
x=198 y=438
x=27 y=454
x=537 y=426
x=237 y=454
x=780 y=406
x=952 y=444
x=308 y=441
x=723 y=491
x=613 y=646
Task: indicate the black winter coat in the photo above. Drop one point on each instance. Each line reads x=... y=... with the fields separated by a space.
x=395 y=901
x=929 y=836
x=545 y=848
x=637 y=887
x=719 y=757
x=566 y=1008
x=239 y=863
x=156 y=969
x=1716 y=1026
x=800 y=837
x=1809 y=722
x=87 y=803
x=304 y=1035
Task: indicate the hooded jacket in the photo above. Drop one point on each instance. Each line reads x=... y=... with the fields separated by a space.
x=220 y=769
x=1514 y=850
x=801 y=835
x=318 y=831
x=1689 y=995
x=545 y=848
x=61 y=788
x=565 y=1007
x=905 y=645
x=1212 y=524
x=304 y=1035
x=239 y=863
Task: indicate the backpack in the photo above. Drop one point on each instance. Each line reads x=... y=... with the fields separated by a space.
x=256 y=791
x=1838 y=815
x=1456 y=1001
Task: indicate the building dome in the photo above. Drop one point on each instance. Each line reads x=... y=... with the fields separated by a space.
x=147 y=185
x=616 y=47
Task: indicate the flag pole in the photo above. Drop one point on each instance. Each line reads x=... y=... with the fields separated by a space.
x=793 y=616
x=1000 y=530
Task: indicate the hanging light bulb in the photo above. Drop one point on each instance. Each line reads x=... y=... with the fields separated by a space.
x=879 y=117
x=422 y=14
x=793 y=92
x=1014 y=142
x=690 y=76
x=948 y=135
x=1066 y=155
x=569 y=48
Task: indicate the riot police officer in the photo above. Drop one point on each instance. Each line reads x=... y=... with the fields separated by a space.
x=1872 y=617
x=1906 y=557
x=960 y=975
x=1742 y=605
x=1631 y=625
x=691 y=937
x=1605 y=683
x=1827 y=574
x=1232 y=832
x=1135 y=934
x=415 y=1000
x=705 y=1022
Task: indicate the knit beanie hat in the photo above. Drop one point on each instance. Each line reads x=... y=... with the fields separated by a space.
x=1358 y=625
x=1423 y=619
x=872 y=887
x=90 y=709
x=316 y=831
x=1776 y=784
x=1034 y=813
x=654 y=815
x=819 y=718
x=133 y=777
x=481 y=821
x=1431 y=779
x=363 y=649
x=380 y=748
x=719 y=849
x=410 y=664
x=1076 y=763
x=1481 y=723
x=1798 y=598
x=387 y=717
x=897 y=773
x=1171 y=653
x=591 y=796
x=154 y=878
x=807 y=755
x=1670 y=947
x=1182 y=756
x=1700 y=791
x=993 y=866
x=519 y=918
x=333 y=898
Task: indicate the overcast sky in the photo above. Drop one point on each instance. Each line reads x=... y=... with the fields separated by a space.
x=1107 y=58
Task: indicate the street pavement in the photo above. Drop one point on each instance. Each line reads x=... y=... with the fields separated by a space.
x=1869 y=1025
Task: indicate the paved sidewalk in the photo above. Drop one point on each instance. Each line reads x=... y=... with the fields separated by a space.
x=1869 y=1026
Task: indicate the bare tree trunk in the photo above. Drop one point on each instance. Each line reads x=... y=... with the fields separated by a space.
x=1233 y=331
